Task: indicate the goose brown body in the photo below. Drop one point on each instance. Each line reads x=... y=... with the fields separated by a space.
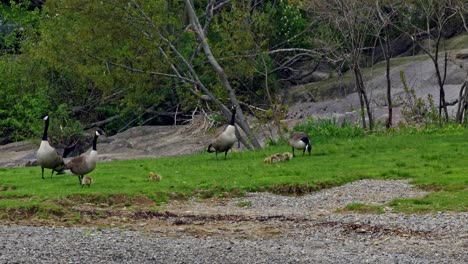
x=300 y=140
x=225 y=140
x=85 y=163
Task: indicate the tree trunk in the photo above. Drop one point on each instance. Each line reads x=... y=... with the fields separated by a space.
x=387 y=53
x=366 y=101
x=363 y=116
x=365 y=105
x=462 y=102
x=241 y=121
x=441 y=81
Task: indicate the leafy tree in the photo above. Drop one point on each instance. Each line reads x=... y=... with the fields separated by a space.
x=354 y=25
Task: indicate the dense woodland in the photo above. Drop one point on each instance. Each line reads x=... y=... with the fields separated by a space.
x=115 y=64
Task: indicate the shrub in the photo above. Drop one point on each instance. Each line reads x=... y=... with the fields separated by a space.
x=324 y=129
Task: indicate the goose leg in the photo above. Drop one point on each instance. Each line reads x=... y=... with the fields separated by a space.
x=216 y=155
x=225 y=154
x=52 y=173
x=79 y=179
x=42 y=172
x=303 y=152
x=294 y=155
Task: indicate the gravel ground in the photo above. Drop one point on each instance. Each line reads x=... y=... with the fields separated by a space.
x=373 y=192
x=312 y=242
x=275 y=229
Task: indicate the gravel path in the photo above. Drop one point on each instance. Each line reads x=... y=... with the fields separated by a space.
x=274 y=229
x=312 y=242
x=373 y=192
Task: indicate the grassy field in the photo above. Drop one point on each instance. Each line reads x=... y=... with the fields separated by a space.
x=436 y=161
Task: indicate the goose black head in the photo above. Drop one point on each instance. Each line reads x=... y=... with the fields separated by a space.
x=99 y=132
x=44 y=116
x=96 y=135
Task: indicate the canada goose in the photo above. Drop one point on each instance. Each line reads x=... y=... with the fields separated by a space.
x=86 y=181
x=47 y=156
x=85 y=163
x=224 y=141
x=300 y=140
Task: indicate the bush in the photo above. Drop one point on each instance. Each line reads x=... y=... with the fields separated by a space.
x=324 y=129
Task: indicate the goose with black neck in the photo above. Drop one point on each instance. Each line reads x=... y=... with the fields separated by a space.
x=224 y=141
x=85 y=163
x=47 y=156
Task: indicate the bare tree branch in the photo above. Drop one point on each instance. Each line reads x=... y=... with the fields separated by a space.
x=219 y=70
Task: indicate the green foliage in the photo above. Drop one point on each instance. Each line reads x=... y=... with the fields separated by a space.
x=91 y=60
x=79 y=58
x=18 y=25
x=22 y=99
x=279 y=22
x=416 y=110
x=64 y=129
x=323 y=130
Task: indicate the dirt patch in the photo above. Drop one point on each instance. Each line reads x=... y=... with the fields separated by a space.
x=256 y=214
x=378 y=230
x=140 y=200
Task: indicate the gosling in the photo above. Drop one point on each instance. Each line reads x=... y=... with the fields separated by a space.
x=86 y=181
x=154 y=177
x=278 y=157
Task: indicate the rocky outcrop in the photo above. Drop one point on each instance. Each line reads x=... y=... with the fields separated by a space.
x=134 y=143
x=152 y=142
x=18 y=154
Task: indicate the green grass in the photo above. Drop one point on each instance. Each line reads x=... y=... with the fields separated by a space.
x=436 y=202
x=362 y=208
x=458 y=42
x=436 y=161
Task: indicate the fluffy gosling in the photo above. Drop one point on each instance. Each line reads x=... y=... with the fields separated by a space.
x=86 y=181
x=287 y=155
x=154 y=177
x=278 y=157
